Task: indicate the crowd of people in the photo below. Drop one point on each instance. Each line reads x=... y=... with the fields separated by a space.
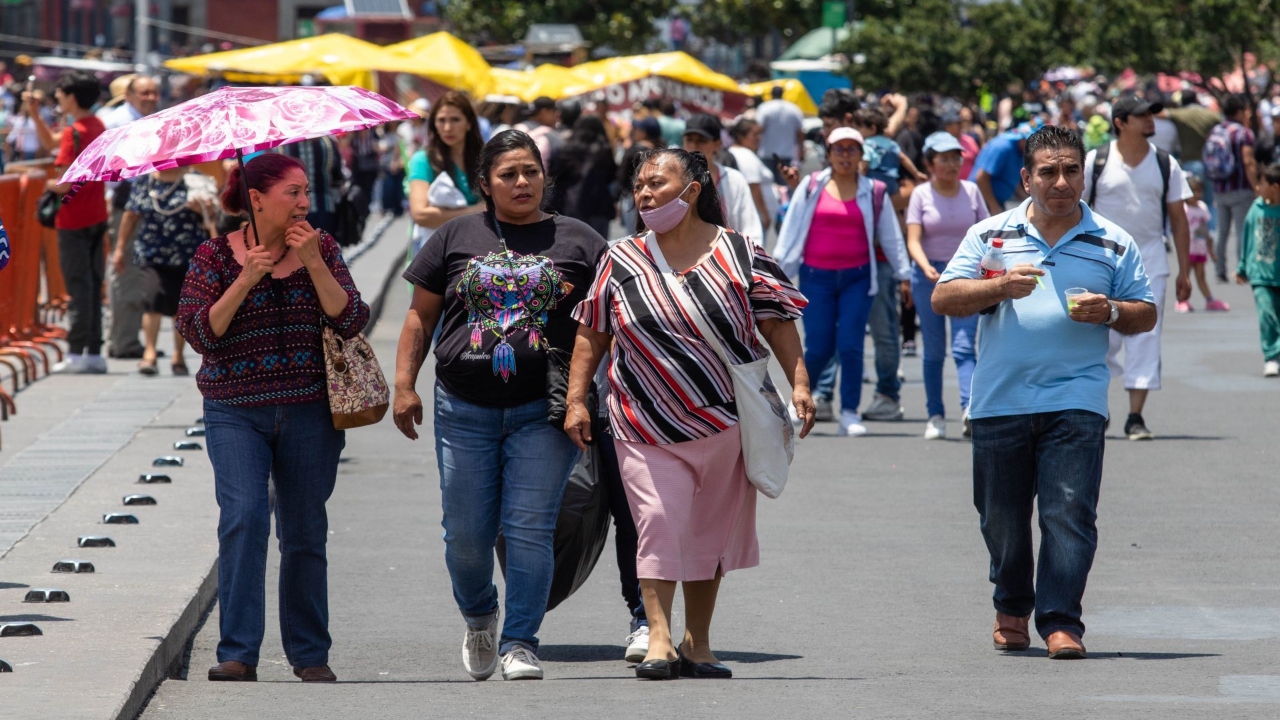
x=1043 y=239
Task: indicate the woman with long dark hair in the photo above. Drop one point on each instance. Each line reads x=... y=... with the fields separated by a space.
x=254 y=304
x=502 y=285
x=442 y=175
x=584 y=170
x=674 y=420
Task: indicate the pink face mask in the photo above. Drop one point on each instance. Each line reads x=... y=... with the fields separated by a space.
x=665 y=218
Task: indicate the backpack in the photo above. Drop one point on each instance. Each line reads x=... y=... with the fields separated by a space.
x=1219 y=154
x=1162 y=160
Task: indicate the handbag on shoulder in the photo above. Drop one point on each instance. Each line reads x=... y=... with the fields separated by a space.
x=49 y=201
x=358 y=393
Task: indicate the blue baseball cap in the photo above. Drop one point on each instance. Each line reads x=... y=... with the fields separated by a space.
x=941 y=142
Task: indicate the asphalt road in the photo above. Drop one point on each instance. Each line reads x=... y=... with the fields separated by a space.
x=872 y=597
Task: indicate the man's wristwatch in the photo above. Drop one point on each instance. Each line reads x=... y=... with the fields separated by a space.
x=1115 y=313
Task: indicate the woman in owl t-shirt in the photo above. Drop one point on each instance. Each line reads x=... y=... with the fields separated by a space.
x=502 y=295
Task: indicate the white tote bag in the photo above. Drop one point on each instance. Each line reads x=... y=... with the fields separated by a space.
x=768 y=440
x=443 y=193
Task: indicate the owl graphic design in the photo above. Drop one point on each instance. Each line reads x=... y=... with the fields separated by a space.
x=505 y=293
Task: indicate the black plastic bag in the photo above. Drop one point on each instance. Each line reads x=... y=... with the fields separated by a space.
x=352 y=212
x=582 y=530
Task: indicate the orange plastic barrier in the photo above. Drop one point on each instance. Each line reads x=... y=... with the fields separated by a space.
x=19 y=362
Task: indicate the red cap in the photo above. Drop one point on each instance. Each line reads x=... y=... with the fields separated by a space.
x=997 y=243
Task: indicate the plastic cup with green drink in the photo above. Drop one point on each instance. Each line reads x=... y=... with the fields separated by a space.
x=1073 y=296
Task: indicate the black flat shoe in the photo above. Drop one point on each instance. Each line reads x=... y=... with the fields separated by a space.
x=658 y=670
x=703 y=671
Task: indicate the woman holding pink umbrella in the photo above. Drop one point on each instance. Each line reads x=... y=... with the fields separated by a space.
x=254 y=305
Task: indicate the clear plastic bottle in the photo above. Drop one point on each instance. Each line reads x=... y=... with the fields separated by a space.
x=992 y=265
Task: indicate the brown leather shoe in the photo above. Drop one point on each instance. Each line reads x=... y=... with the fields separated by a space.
x=1010 y=634
x=1064 y=646
x=316 y=674
x=233 y=671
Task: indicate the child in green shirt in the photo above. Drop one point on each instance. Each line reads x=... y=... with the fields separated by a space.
x=1259 y=266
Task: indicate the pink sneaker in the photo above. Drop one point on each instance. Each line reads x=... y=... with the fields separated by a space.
x=1185 y=307
x=1217 y=306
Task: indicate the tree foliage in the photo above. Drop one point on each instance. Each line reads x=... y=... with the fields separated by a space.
x=625 y=25
x=955 y=47
x=731 y=21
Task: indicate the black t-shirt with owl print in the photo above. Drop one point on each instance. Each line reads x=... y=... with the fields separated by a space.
x=502 y=311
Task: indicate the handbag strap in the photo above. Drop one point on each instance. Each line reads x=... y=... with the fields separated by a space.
x=682 y=296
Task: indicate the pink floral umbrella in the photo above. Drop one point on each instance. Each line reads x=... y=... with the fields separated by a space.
x=226 y=123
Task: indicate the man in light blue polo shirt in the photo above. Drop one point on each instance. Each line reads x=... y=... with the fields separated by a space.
x=1039 y=400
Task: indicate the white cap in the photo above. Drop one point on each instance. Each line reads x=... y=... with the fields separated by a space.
x=845 y=133
x=422 y=106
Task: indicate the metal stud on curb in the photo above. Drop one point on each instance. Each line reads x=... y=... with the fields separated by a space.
x=195 y=432
x=5 y=667
x=46 y=595
x=150 y=479
x=96 y=541
x=139 y=500
x=168 y=461
x=187 y=445
x=20 y=630
x=119 y=519
x=73 y=566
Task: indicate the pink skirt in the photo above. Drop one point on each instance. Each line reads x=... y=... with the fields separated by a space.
x=694 y=508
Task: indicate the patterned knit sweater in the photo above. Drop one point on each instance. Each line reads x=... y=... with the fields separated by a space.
x=271 y=354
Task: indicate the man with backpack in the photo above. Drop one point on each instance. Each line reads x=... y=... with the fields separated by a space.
x=1141 y=188
x=1229 y=163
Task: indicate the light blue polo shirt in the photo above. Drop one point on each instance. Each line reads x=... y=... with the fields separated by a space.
x=1032 y=357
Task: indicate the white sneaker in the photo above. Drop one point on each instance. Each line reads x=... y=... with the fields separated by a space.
x=1271 y=368
x=480 y=650
x=935 y=429
x=884 y=408
x=851 y=424
x=521 y=664
x=81 y=365
x=638 y=644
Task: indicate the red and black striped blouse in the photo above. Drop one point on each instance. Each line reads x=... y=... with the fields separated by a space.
x=668 y=385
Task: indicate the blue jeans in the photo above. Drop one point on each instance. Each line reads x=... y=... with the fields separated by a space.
x=933 y=330
x=886 y=329
x=296 y=446
x=1053 y=459
x=835 y=321
x=501 y=468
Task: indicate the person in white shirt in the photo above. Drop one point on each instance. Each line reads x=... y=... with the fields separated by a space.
x=746 y=142
x=1126 y=185
x=702 y=133
x=783 y=140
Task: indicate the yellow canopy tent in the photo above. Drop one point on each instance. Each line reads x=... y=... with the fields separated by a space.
x=445 y=60
x=626 y=80
x=341 y=59
x=792 y=90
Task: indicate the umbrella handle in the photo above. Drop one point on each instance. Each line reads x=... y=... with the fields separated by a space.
x=248 y=204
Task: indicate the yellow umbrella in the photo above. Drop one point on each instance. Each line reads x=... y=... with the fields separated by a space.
x=792 y=90
x=444 y=59
x=341 y=59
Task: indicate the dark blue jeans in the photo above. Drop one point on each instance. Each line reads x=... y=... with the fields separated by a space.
x=501 y=468
x=1052 y=459
x=296 y=446
x=835 y=323
x=884 y=320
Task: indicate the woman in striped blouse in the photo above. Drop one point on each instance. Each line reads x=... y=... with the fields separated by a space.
x=674 y=420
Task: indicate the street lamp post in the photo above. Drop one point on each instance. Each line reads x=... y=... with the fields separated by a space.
x=141 y=32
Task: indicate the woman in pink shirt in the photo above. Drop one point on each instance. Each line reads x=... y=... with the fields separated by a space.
x=828 y=235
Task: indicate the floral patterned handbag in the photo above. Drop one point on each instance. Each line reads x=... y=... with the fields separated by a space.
x=358 y=394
